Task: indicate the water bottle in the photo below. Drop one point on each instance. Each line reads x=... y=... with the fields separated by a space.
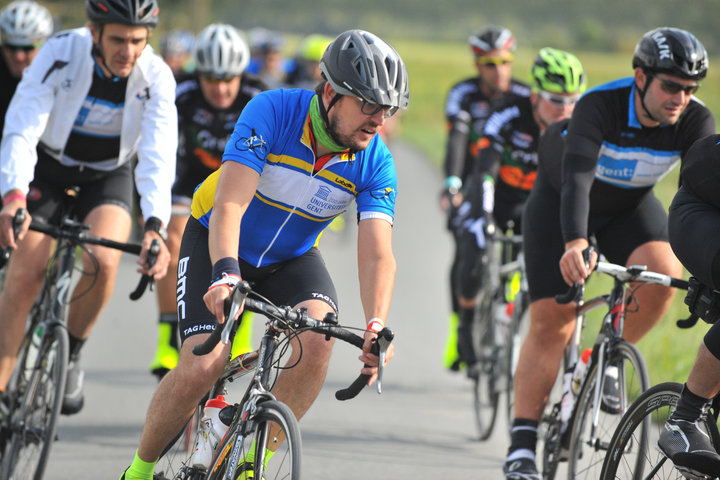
x=572 y=379
x=211 y=432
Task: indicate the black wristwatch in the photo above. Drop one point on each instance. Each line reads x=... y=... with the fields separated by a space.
x=155 y=224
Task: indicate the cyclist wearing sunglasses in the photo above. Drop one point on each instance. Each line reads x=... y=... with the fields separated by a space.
x=24 y=27
x=595 y=176
x=504 y=172
x=295 y=161
x=469 y=103
x=209 y=102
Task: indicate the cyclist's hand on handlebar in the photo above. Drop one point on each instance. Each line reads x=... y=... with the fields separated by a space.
x=215 y=297
x=370 y=359
x=159 y=268
x=572 y=263
x=7 y=225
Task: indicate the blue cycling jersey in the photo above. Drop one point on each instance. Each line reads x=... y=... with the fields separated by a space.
x=293 y=203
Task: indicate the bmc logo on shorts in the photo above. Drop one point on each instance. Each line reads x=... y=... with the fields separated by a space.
x=181 y=286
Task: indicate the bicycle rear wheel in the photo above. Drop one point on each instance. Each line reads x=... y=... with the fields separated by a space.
x=174 y=462
x=39 y=384
x=273 y=425
x=633 y=452
x=484 y=376
x=589 y=444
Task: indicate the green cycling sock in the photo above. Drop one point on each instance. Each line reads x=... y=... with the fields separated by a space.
x=250 y=457
x=139 y=470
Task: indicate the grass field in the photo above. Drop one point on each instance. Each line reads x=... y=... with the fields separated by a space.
x=434 y=67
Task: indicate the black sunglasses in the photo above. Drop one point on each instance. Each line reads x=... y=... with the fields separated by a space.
x=24 y=48
x=371 y=109
x=672 y=88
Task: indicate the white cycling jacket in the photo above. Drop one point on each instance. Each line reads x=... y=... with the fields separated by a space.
x=50 y=96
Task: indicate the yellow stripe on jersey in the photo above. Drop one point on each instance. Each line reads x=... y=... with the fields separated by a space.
x=204 y=196
x=288 y=209
x=290 y=161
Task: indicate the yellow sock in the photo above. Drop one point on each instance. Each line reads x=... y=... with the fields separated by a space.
x=139 y=470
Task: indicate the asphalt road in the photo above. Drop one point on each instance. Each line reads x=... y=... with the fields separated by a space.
x=421 y=427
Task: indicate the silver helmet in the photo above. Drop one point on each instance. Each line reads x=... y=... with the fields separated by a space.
x=25 y=23
x=221 y=52
x=360 y=64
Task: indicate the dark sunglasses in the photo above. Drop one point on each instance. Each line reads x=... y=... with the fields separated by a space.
x=216 y=80
x=371 y=109
x=672 y=88
x=23 y=48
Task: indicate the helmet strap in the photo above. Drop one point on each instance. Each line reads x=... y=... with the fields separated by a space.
x=642 y=93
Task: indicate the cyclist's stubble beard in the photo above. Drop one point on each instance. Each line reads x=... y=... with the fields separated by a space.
x=334 y=125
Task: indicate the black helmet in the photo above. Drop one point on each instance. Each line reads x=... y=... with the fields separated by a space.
x=492 y=38
x=672 y=51
x=359 y=63
x=143 y=13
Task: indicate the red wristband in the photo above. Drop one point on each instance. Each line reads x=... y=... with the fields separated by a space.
x=375 y=325
x=14 y=196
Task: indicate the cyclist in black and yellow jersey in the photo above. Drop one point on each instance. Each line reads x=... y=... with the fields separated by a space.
x=468 y=105
x=595 y=177
x=504 y=172
x=209 y=102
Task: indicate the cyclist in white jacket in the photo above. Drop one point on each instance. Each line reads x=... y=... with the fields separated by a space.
x=92 y=100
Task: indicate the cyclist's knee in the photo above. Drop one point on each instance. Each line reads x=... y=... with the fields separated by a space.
x=198 y=373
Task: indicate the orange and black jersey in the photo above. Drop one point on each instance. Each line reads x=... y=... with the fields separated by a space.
x=466 y=110
x=508 y=150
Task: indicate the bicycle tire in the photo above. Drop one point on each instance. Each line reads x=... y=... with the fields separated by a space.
x=485 y=393
x=628 y=457
x=585 y=459
x=285 y=462
x=33 y=422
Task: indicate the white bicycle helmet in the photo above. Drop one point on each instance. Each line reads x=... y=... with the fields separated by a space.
x=25 y=23
x=361 y=64
x=221 y=52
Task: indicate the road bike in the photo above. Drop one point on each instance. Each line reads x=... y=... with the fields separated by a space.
x=259 y=420
x=633 y=452
x=584 y=437
x=35 y=391
x=502 y=305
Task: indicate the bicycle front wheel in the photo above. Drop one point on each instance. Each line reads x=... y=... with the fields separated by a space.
x=486 y=371
x=271 y=449
x=590 y=439
x=633 y=450
x=40 y=385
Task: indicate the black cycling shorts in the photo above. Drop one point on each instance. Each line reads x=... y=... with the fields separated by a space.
x=47 y=190
x=284 y=283
x=617 y=235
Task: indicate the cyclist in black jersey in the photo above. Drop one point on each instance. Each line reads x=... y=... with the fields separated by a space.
x=623 y=137
x=468 y=106
x=24 y=27
x=694 y=228
x=209 y=102
x=504 y=172
x=93 y=99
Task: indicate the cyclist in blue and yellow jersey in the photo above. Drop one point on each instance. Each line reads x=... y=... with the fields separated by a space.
x=694 y=230
x=92 y=100
x=467 y=107
x=176 y=48
x=504 y=172
x=209 y=101
x=295 y=161
x=595 y=177
x=24 y=27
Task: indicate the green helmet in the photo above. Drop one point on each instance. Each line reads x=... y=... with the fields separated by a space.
x=558 y=72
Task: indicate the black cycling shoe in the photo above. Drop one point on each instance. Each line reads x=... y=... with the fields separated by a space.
x=689 y=446
x=610 y=402
x=521 y=469
x=74 y=398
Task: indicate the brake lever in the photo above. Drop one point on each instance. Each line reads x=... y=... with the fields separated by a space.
x=384 y=338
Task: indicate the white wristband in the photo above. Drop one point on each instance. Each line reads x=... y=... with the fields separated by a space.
x=375 y=324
